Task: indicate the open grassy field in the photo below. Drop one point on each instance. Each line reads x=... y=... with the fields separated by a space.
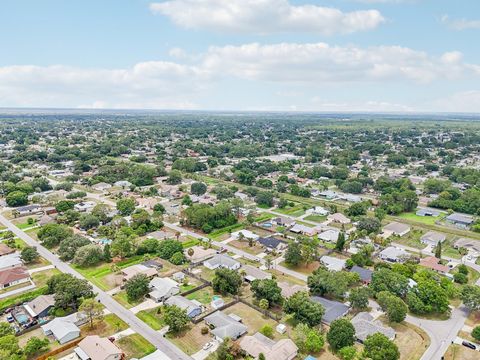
x=411 y=341
x=135 y=346
x=316 y=218
x=427 y=220
x=302 y=268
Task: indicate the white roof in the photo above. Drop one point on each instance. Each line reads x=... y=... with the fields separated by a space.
x=246 y=233
x=60 y=327
x=333 y=263
x=10 y=260
x=162 y=286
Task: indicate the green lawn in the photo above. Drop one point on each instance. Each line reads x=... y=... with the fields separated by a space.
x=204 y=295
x=151 y=318
x=215 y=234
x=135 y=346
x=19 y=299
x=190 y=242
x=40 y=278
x=96 y=273
x=188 y=287
x=316 y=218
x=428 y=220
x=25 y=225
x=122 y=298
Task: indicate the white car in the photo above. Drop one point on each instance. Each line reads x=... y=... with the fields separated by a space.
x=207 y=346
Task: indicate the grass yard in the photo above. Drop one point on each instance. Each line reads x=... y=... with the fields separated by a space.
x=459 y=352
x=243 y=245
x=222 y=234
x=281 y=277
x=109 y=325
x=40 y=262
x=122 y=298
x=21 y=298
x=40 y=278
x=302 y=268
x=152 y=318
x=204 y=295
x=411 y=341
x=189 y=242
x=135 y=346
x=191 y=340
x=96 y=274
x=449 y=251
x=427 y=220
x=411 y=239
x=316 y=218
x=253 y=319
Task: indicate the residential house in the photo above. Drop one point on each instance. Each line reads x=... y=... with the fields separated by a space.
x=245 y=234
x=330 y=235
x=271 y=244
x=178 y=276
x=302 y=229
x=394 y=254
x=46 y=219
x=138 y=269
x=473 y=246
x=290 y=289
x=284 y=349
x=160 y=235
x=94 y=347
x=365 y=274
x=10 y=261
x=339 y=218
x=433 y=263
x=102 y=186
x=433 y=238
x=62 y=329
x=333 y=263
x=333 y=309
x=200 y=254
x=283 y=221
x=396 y=228
x=318 y=210
x=13 y=276
x=329 y=194
x=163 y=288
x=40 y=306
x=427 y=212
x=221 y=261
x=192 y=308
x=254 y=273
x=365 y=325
x=27 y=210
x=84 y=206
x=460 y=220
x=225 y=326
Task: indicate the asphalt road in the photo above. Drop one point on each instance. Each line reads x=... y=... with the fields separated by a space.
x=111 y=304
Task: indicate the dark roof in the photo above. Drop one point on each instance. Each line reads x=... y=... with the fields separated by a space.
x=270 y=242
x=333 y=309
x=153 y=264
x=365 y=274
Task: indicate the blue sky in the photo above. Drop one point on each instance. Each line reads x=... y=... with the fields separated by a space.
x=309 y=55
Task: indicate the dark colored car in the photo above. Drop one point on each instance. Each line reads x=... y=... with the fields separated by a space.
x=469 y=345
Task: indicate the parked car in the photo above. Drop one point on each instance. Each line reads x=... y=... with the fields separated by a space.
x=10 y=319
x=469 y=345
x=207 y=346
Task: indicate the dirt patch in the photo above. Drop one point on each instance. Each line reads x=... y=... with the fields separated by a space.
x=459 y=352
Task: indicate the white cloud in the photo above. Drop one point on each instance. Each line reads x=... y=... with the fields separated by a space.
x=319 y=62
x=292 y=73
x=466 y=101
x=265 y=16
x=460 y=24
x=155 y=84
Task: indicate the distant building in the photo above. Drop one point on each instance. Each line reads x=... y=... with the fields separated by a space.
x=427 y=212
x=62 y=329
x=284 y=349
x=96 y=348
x=433 y=238
x=13 y=276
x=163 y=288
x=333 y=263
x=365 y=325
x=225 y=326
x=192 y=308
x=433 y=263
x=365 y=274
x=394 y=254
x=333 y=309
x=396 y=228
x=460 y=220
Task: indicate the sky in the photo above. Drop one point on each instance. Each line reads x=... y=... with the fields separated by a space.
x=266 y=55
